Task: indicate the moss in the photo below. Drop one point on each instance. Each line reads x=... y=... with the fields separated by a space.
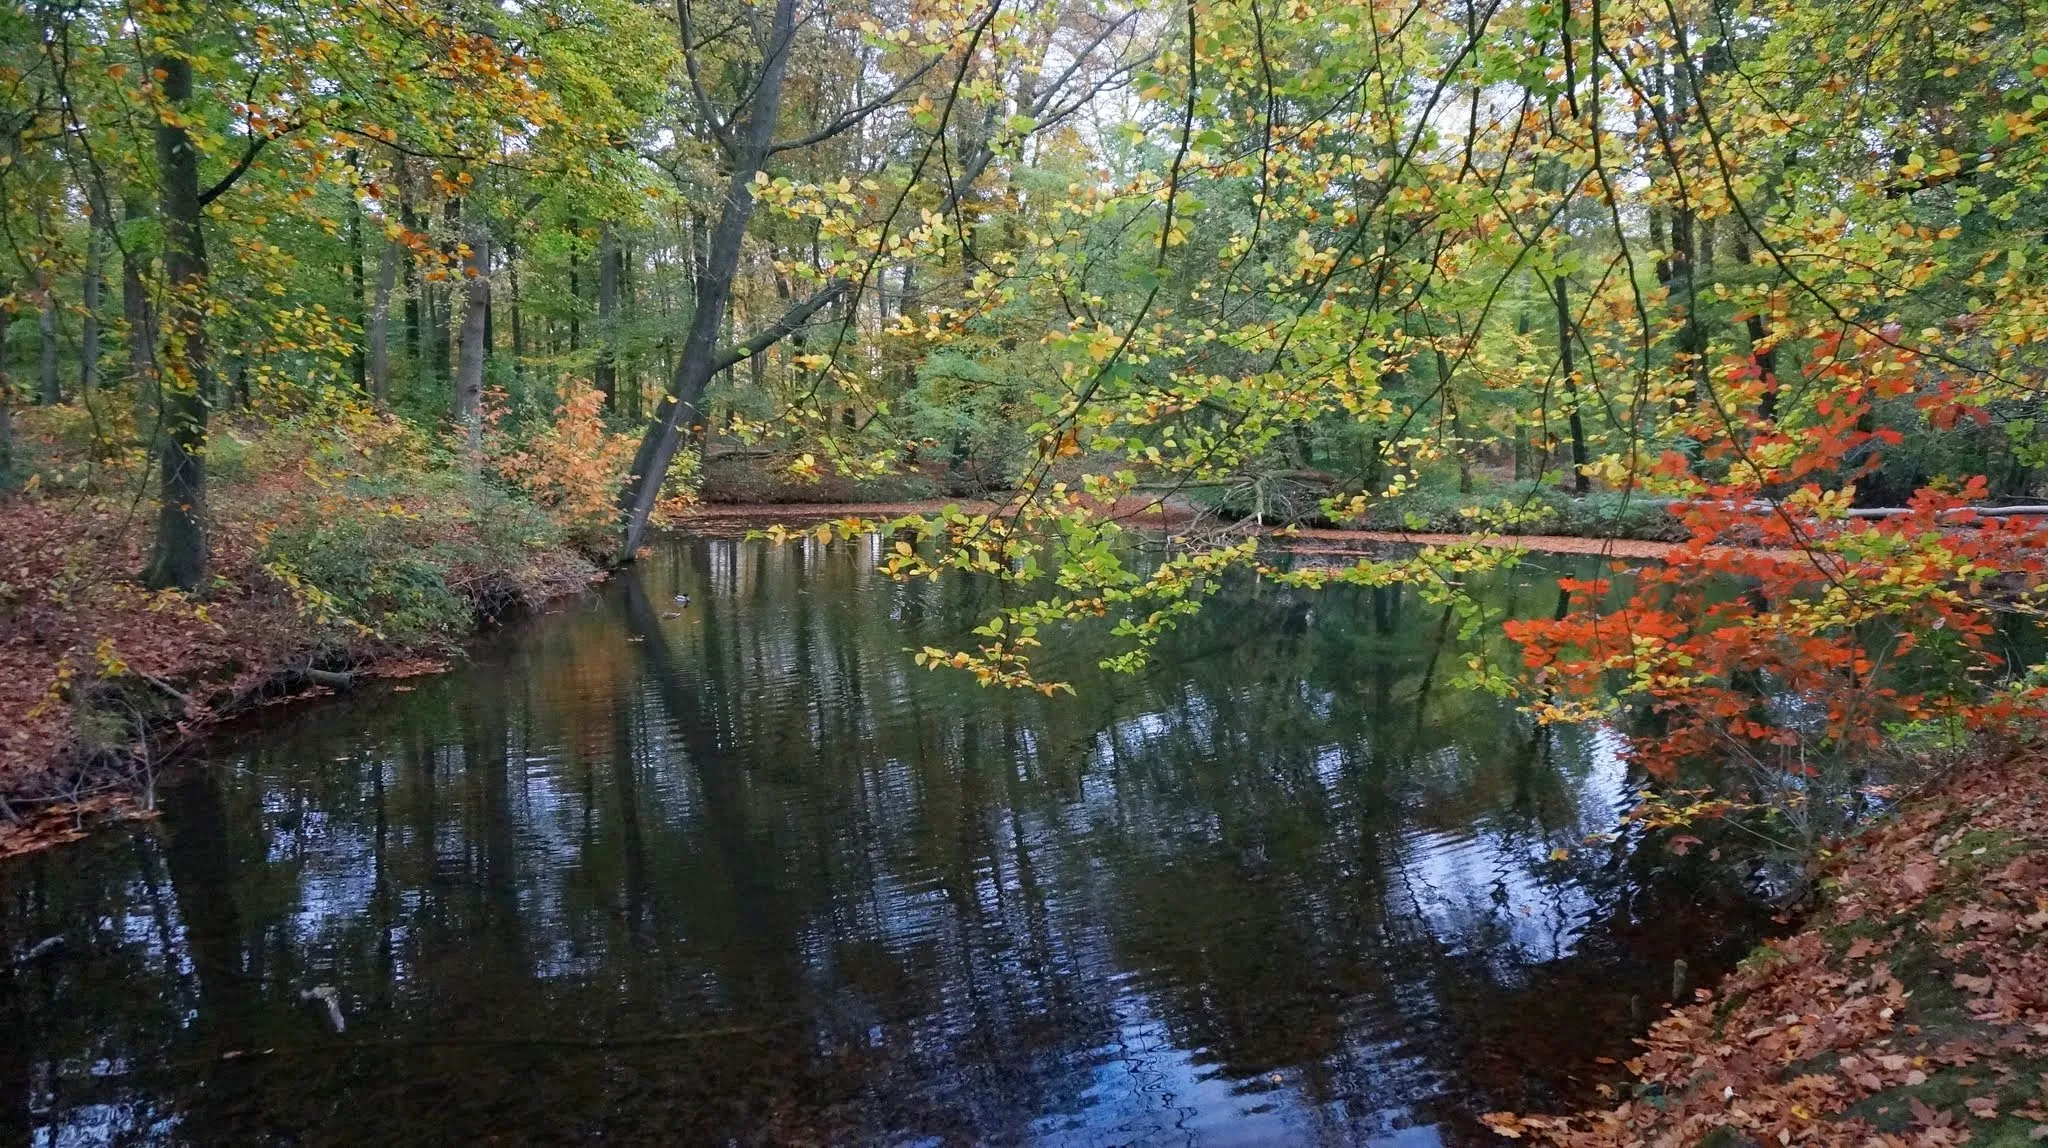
x=1947 y=1088
x=1727 y=1136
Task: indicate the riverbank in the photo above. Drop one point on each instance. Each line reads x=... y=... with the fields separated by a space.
x=1911 y=1009
x=102 y=681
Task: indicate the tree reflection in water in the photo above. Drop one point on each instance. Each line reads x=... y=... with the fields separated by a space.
x=743 y=872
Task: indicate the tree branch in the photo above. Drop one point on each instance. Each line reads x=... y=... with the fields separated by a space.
x=719 y=128
x=858 y=114
x=779 y=330
x=227 y=181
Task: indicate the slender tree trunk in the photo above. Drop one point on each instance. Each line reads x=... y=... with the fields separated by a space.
x=178 y=556
x=380 y=324
x=89 y=328
x=469 y=377
x=1581 y=482
x=518 y=330
x=629 y=368
x=360 y=361
x=140 y=320
x=607 y=371
x=444 y=301
x=46 y=326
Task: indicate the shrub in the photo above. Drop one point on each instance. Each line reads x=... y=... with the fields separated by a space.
x=573 y=466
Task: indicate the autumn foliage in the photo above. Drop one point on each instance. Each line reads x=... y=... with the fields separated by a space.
x=1791 y=633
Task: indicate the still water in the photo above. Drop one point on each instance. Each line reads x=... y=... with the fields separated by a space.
x=739 y=872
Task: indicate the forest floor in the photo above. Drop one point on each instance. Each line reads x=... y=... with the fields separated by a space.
x=1912 y=1008
x=102 y=681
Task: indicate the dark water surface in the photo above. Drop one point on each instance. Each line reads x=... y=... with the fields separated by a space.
x=742 y=873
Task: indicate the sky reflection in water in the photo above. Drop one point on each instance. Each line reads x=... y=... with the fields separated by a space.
x=742 y=872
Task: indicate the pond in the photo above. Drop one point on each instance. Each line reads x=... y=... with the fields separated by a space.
x=738 y=871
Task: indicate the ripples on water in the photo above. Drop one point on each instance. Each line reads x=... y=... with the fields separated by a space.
x=742 y=872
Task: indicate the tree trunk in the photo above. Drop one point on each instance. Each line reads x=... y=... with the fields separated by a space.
x=469 y=374
x=700 y=359
x=89 y=329
x=629 y=370
x=607 y=371
x=46 y=325
x=380 y=324
x=1581 y=482
x=360 y=361
x=178 y=556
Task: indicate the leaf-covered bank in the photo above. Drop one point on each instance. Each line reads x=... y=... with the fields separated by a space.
x=342 y=547
x=1911 y=1010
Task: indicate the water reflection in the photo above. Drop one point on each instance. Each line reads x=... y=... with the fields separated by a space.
x=741 y=871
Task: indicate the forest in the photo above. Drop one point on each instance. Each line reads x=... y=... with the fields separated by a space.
x=329 y=329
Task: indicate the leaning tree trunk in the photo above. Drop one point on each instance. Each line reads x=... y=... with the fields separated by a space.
x=476 y=310
x=700 y=359
x=178 y=556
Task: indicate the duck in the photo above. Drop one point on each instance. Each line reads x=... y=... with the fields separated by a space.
x=682 y=599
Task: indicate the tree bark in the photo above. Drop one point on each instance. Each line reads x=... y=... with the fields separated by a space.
x=469 y=372
x=380 y=324
x=178 y=555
